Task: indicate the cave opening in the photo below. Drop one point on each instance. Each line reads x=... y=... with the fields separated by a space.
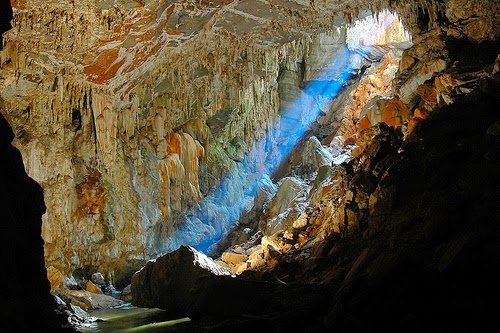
x=376 y=42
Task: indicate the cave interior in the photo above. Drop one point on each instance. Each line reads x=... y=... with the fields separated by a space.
x=235 y=165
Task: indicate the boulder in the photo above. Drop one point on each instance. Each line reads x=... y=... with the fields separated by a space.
x=167 y=281
x=98 y=279
x=188 y=283
x=286 y=206
x=290 y=191
x=126 y=294
x=88 y=300
x=266 y=189
x=91 y=287
x=315 y=156
x=77 y=317
x=234 y=259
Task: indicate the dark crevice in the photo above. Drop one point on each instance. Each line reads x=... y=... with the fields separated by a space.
x=7 y=15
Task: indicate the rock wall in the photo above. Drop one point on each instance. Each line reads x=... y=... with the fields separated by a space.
x=406 y=224
x=127 y=113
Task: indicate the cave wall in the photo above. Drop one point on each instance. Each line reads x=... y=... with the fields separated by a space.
x=127 y=113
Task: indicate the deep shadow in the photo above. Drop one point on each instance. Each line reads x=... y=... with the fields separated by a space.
x=26 y=302
x=7 y=15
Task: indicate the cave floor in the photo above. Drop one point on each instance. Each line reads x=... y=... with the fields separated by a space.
x=128 y=318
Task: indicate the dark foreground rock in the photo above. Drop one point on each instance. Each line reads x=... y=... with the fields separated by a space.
x=25 y=302
x=186 y=282
x=167 y=282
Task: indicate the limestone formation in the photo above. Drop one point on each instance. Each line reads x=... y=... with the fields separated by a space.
x=150 y=125
x=128 y=113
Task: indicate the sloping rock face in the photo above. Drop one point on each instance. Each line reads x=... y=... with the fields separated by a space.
x=26 y=302
x=186 y=282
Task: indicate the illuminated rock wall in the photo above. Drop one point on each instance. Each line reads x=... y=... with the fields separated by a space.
x=128 y=112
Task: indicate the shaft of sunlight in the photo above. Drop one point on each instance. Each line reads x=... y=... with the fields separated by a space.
x=221 y=210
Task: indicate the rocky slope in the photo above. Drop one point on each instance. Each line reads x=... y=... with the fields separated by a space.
x=403 y=237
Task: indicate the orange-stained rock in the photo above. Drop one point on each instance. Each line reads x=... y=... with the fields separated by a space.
x=392 y=111
x=350 y=140
x=179 y=172
x=18 y=4
x=444 y=87
x=374 y=84
x=91 y=195
x=364 y=123
x=418 y=113
x=55 y=278
x=412 y=123
x=91 y=287
x=174 y=144
x=428 y=95
x=395 y=113
x=357 y=151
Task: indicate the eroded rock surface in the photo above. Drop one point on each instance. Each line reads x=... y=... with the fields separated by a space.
x=128 y=112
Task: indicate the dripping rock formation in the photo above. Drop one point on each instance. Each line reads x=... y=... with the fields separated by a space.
x=340 y=167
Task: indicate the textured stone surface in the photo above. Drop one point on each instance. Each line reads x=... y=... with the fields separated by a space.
x=127 y=113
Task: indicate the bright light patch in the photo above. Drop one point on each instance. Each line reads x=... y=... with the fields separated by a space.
x=156 y=326
x=221 y=209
